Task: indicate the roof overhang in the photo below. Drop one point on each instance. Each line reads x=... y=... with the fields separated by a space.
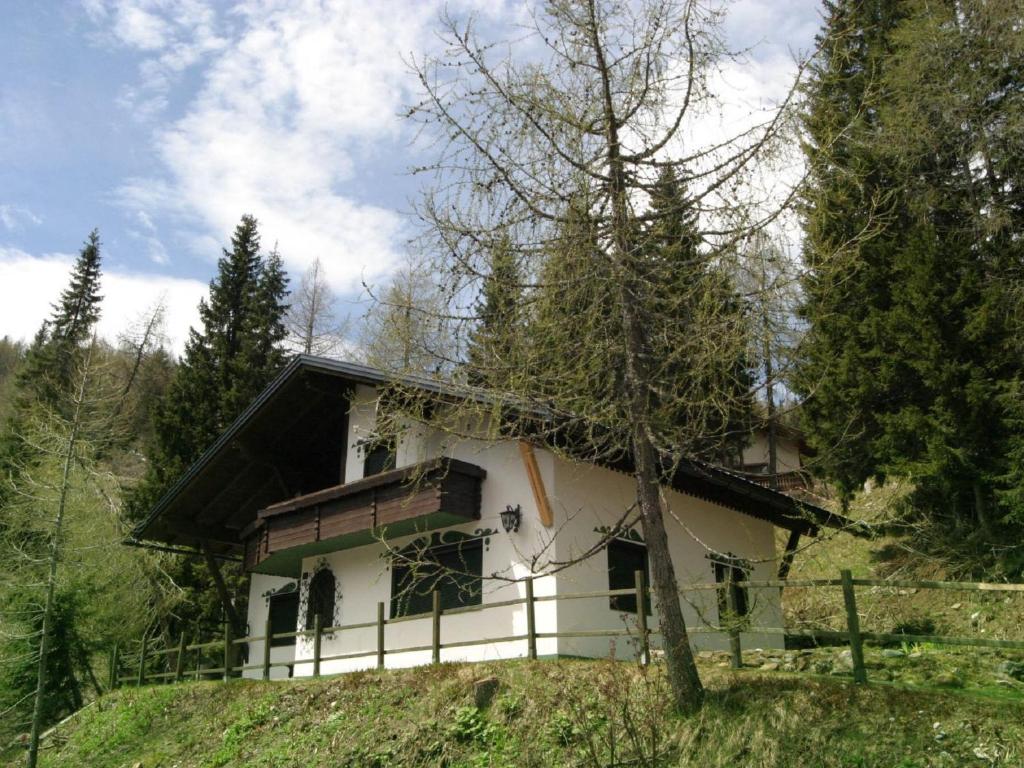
x=246 y=468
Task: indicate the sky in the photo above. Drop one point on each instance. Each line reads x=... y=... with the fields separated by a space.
x=162 y=122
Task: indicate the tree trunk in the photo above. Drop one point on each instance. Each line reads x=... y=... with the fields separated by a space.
x=981 y=511
x=51 y=581
x=684 y=680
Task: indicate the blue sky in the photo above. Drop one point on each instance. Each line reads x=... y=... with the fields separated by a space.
x=163 y=122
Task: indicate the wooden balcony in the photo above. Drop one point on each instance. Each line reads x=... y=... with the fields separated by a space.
x=422 y=497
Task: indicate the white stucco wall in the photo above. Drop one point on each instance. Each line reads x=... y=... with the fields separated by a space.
x=260 y=586
x=586 y=497
x=582 y=497
x=787 y=452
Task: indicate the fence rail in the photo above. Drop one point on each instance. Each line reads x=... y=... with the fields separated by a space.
x=227 y=648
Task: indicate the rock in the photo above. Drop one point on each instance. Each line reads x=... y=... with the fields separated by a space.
x=769 y=666
x=838 y=671
x=975 y=618
x=789 y=667
x=706 y=655
x=948 y=680
x=1014 y=669
x=723 y=664
x=803 y=663
x=892 y=653
x=882 y=674
x=956 y=606
x=822 y=667
x=483 y=691
x=915 y=655
x=844 y=661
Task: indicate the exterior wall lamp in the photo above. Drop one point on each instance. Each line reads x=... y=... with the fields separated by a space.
x=511 y=517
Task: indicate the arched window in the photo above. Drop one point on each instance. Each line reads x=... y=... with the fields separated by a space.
x=320 y=601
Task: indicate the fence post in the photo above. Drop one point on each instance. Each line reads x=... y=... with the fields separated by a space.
x=317 y=637
x=267 y=644
x=860 y=674
x=732 y=604
x=113 y=667
x=437 y=628
x=380 y=635
x=227 y=651
x=531 y=622
x=179 y=665
x=641 y=617
x=142 y=663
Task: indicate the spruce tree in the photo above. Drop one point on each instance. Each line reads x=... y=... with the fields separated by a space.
x=907 y=346
x=700 y=347
x=56 y=349
x=227 y=362
x=494 y=355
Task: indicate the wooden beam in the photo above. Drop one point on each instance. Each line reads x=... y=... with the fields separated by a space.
x=222 y=592
x=787 y=557
x=540 y=494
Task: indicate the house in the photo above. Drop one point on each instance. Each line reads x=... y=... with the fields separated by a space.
x=755 y=460
x=331 y=525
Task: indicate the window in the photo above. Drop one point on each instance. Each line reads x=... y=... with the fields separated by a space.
x=624 y=559
x=729 y=568
x=320 y=600
x=284 y=614
x=380 y=457
x=455 y=570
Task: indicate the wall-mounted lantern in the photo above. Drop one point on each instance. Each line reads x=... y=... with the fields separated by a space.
x=511 y=517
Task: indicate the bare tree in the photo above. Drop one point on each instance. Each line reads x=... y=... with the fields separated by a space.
x=313 y=328
x=578 y=118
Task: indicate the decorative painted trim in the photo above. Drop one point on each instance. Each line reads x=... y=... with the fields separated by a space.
x=621 y=532
x=307 y=579
x=444 y=538
x=287 y=589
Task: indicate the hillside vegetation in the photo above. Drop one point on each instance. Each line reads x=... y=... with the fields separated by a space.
x=548 y=713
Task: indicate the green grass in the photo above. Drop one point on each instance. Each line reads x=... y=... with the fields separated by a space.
x=548 y=713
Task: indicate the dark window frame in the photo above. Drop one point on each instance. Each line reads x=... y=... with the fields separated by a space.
x=379 y=456
x=317 y=602
x=624 y=576
x=458 y=574
x=283 y=612
x=726 y=567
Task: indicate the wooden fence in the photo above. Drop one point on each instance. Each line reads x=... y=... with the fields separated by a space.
x=175 y=659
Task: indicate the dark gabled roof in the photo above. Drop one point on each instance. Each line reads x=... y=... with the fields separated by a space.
x=692 y=477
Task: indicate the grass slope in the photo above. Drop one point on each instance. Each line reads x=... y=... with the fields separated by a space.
x=548 y=713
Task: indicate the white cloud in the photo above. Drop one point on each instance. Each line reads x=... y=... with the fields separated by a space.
x=283 y=119
x=29 y=285
x=15 y=217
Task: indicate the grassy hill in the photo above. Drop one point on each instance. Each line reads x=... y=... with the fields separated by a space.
x=548 y=713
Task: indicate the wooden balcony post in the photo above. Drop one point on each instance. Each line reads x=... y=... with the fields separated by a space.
x=317 y=638
x=531 y=621
x=267 y=644
x=380 y=635
x=860 y=674
x=179 y=664
x=437 y=627
x=641 y=618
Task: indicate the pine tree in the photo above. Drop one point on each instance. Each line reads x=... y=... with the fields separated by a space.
x=226 y=364
x=57 y=346
x=907 y=348
x=494 y=356
x=700 y=348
